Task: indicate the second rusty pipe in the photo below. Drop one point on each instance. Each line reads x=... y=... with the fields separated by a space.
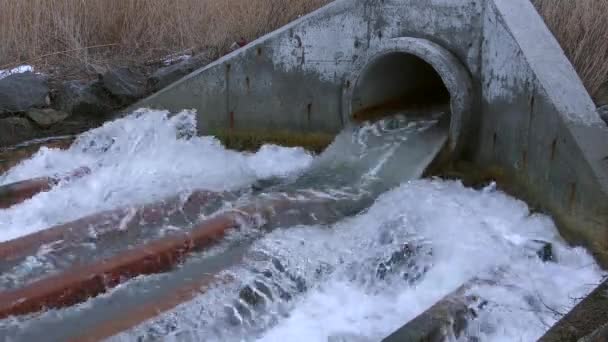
x=102 y=223
x=81 y=283
x=18 y=192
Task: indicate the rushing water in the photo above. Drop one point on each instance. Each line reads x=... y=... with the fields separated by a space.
x=142 y=158
x=396 y=247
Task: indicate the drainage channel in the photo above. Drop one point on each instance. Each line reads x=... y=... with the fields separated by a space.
x=340 y=187
x=347 y=247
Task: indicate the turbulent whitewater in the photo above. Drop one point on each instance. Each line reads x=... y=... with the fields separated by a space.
x=401 y=245
x=139 y=159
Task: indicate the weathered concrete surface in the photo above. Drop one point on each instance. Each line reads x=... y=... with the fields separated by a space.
x=295 y=77
x=540 y=126
x=517 y=104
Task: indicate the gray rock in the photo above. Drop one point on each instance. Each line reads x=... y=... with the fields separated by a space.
x=124 y=84
x=20 y=92
x=46 y=117
x=83 y=98
x=603 y=111
x=15 y=130
x=540 y=249
x=170 y=74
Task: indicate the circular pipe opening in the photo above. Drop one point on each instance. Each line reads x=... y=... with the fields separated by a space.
x=414 y=76
x=398 y=81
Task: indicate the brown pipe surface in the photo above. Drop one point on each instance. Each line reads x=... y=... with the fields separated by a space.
x=132 y=318
x=79 y=229
x=15 y=193
x=81 y=283
x=18 y=192
x=11 y=156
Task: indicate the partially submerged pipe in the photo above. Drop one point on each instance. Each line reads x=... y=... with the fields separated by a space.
x=447 y=318
x=18 y=192
x=11 y=156
x=135 y=316
x=81 y=283
x=101 y=223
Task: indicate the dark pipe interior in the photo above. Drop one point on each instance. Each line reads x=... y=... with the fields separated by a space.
x=396 y=82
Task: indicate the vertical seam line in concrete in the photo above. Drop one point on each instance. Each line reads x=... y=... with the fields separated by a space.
x=227 y=73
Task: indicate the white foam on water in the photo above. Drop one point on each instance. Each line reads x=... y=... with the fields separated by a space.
x=141 y=158
x=463 y=233
x=455 y=234
x=472 y=233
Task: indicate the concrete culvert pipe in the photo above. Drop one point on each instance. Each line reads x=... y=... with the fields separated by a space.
x=413 y=75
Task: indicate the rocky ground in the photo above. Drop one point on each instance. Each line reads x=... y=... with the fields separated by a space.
x=36 y=105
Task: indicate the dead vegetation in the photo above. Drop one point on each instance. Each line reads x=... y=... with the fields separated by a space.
x=581 y=27
x=91 y=33
x=88 y=34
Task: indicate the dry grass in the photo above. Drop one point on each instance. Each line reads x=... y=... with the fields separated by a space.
x=581 y=27
x=93 y=32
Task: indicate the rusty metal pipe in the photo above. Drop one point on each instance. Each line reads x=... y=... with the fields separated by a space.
x=15 y=193
x=81 y=283
x=11 y=156
x=102 y=223
x=132 y=318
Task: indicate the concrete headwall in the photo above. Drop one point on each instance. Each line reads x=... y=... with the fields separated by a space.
x=540 y=125
x=517 y=104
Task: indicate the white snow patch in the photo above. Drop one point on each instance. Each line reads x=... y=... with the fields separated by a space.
x=18 y=70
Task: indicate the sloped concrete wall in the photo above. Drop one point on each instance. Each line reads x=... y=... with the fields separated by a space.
x=540 y=126
x=517 y=103
x=294 y=78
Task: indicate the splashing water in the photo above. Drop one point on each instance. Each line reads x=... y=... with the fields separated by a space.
x=340 y=288
x=142 y=158
x=402 y=247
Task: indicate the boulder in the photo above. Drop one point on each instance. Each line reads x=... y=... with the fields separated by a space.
x=83 y=98
x=124 y=84
x=46 y=117
x=170 y=74
x=15 y=130
x=540 y=249
x=21 y=92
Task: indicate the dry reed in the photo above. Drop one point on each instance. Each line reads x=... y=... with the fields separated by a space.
x=581 y=27
x=91 y=33
x=97 y=31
